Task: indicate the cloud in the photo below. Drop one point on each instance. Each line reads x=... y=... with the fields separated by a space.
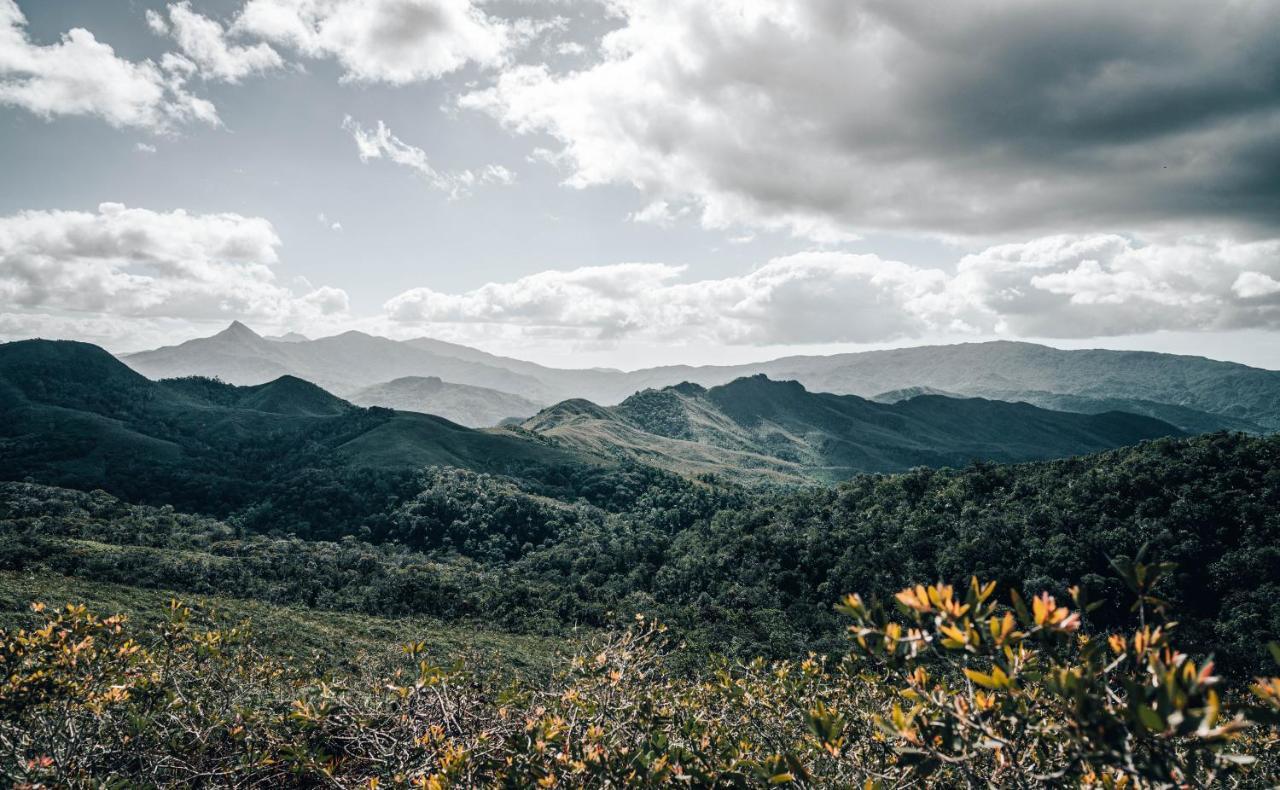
x=1255 y=285
x=1058 y=286
x=80 y=75
x=380 y=143
x=829 y=118
x=794 y=299
x=659 y=213
x=392 y=41
x=1100 y=284
x=128 y=263
x=204 y=43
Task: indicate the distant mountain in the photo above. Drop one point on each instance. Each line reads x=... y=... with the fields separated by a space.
x=777 y=429
x=289 y=337
x=1193 y=393
x=341 y=364
x=476 y=407
x=894 y=396
x=73 y=415
x=1190 y=420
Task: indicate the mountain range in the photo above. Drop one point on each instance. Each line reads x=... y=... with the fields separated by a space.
x=1193 y=393
x=74 y=415
x=71 y=414
x=754 y=428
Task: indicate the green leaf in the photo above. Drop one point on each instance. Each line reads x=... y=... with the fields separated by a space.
x=1150 y=719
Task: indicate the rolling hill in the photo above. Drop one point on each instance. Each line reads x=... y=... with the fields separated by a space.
x=757 y=428
x=1193 y=393
x=73 y=415
x=475 y=407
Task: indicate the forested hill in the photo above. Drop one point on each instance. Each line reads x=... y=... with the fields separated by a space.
x=73 y=415
x=743 y=574
x=757 y=428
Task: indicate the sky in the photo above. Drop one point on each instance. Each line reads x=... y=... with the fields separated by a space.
x=628 y=183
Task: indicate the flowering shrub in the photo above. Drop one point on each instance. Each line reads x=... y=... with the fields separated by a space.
x=946 y=688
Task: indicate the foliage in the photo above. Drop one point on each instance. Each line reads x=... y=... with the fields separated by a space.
x=1022 y=695
x=965 y=692
x=731 y=572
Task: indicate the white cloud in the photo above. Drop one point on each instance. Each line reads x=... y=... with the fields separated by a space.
x=1097 y=285
x=134 y=263
x=204 y=43
x=1060 y=286
x=393 y=41
x=660 y=213
x=1255 y=285
x=80 y=75
x=380 y=143
x=836 y=296
x=827 y=118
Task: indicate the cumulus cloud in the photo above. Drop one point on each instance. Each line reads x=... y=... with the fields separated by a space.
x=204 y=43
x=788 y=300
x=128 y=263
x=1059 y=286
x=80 y=75
x=1096 y=285
x=1255 y=285
x=1003 y=118
x=380 y=143
x=392 y=41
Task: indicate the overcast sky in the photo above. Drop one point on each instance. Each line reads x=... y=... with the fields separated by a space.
x=639 y=182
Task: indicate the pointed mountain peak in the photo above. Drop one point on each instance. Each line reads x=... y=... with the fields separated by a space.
x=238 y=330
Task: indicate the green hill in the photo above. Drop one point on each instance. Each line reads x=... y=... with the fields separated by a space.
x=777 y=429
x=73 y=415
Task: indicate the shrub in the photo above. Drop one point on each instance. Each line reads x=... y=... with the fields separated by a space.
x=946 y=689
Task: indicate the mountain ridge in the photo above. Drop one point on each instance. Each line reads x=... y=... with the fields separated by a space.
x=71 y=414
x=777 y=429
x=1194 y=393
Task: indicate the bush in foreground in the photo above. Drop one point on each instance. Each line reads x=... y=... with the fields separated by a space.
x=945 y=690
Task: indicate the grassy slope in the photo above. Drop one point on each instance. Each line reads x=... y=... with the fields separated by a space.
x=325 y=639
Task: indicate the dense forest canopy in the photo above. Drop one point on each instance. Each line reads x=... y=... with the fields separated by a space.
x=734 y=570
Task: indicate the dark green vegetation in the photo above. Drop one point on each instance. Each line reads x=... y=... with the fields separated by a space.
x=757 y=428
x=735 y=572
x=285 y=455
